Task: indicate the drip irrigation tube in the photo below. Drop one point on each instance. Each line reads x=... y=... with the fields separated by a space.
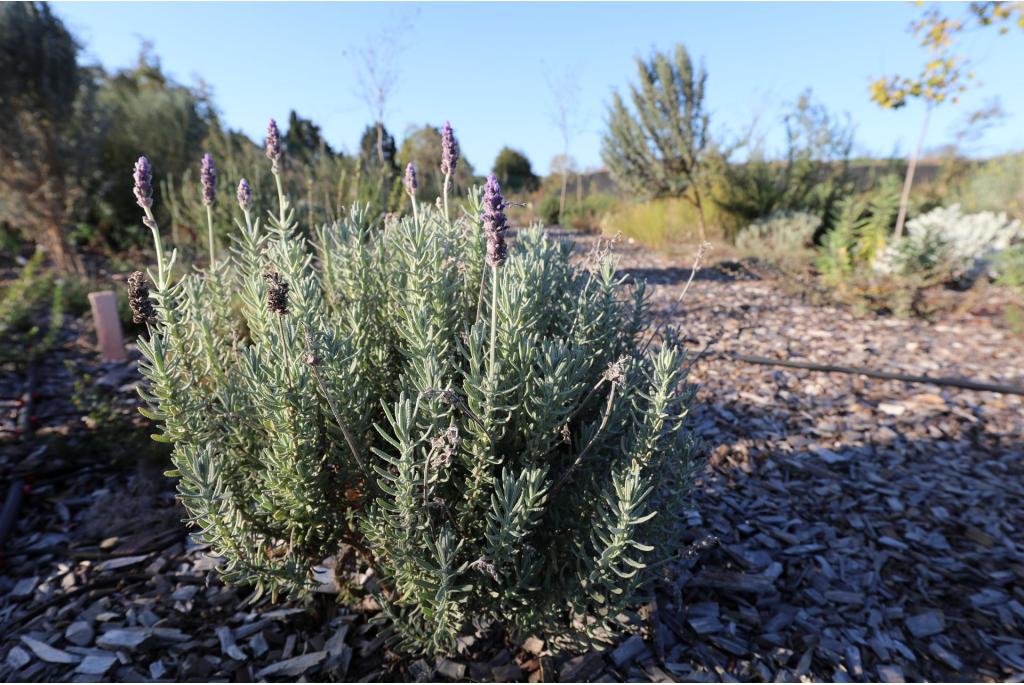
x=965 y=383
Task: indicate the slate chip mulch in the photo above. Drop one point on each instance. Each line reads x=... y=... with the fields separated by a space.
x=845 y=529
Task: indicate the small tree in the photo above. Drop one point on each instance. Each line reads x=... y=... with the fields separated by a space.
x=945 y=74
x=49 y=123
x=810 y=175
x=377 y=72
x=565 y=93
x=657 y=149
x=145 y=103
x=515 y=172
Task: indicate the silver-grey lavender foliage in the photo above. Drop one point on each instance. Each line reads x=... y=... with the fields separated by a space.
x=528 y=473
x=143 y=187
x=208 y=178
x=495 y=223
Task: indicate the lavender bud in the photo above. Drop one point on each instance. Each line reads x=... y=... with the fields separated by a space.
x=449 y=150
x=143 y=183
x=244 y=195
x=138 y=298
x=410 y=179
x=273 y=144
x=277 y=293
x=495 y=224
x=208 y=176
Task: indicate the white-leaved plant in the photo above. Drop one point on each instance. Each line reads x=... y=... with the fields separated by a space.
x=963 y=245
x=482 y=425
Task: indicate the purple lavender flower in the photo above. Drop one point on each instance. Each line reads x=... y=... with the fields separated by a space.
x=244 y=195
x=143 y=183
x=208 y=176
x=410 y=179
x=449 y=150
x=273 y=143
x=495 y=224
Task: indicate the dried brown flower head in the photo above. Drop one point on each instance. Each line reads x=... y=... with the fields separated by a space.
x=277 y=293
x=138 y=298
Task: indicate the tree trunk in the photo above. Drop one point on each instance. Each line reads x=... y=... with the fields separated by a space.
x=58 y=248
x=699 y=204
x=380 y=142
x=561 y=199
x=908 y=181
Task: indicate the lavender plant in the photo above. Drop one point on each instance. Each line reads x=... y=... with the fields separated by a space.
x=479 y=422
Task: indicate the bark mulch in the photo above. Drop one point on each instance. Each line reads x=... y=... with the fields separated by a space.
x=845 y=528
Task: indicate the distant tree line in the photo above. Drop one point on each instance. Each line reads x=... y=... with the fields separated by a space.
x=73 y=133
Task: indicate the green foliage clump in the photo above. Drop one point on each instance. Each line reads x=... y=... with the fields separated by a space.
x=861 y=228
x=514 y=171
x=497 y=442
x=422 y=148
x=661 y=223
x=811 y=175
x=31 y=312
x=995 y=185
x=585 y=215
x=1009 y=267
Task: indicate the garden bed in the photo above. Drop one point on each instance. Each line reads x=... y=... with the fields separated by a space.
x=845 y=528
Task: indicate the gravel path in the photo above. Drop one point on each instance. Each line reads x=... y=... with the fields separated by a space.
x=845 y=529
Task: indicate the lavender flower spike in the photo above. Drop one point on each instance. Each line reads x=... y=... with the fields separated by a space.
x=449 y=150
x=273 y=143
x=208 y=176
x=495 y=224
x=143 y=183
x=244 y=195
x=410 y=179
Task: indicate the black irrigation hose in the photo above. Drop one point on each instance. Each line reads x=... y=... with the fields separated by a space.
x=965 y=383
x=12 y=504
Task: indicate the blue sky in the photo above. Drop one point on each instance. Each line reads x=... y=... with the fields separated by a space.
x=484 y=66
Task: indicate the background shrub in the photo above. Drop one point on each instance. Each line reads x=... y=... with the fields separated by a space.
x=783 y=236
x=660 y=223
x=964 y=245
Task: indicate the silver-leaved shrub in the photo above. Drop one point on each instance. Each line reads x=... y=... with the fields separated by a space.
x=780 y=236
x=481 y=424
x=965 y=246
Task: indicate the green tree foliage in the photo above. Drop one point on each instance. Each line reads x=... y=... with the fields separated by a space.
x=810 y=177
x=515 y=172
x=422 y=147
x=50 y=123
x=657 y=148
x=303 y=141
x=144 y=104
x=525 y=461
